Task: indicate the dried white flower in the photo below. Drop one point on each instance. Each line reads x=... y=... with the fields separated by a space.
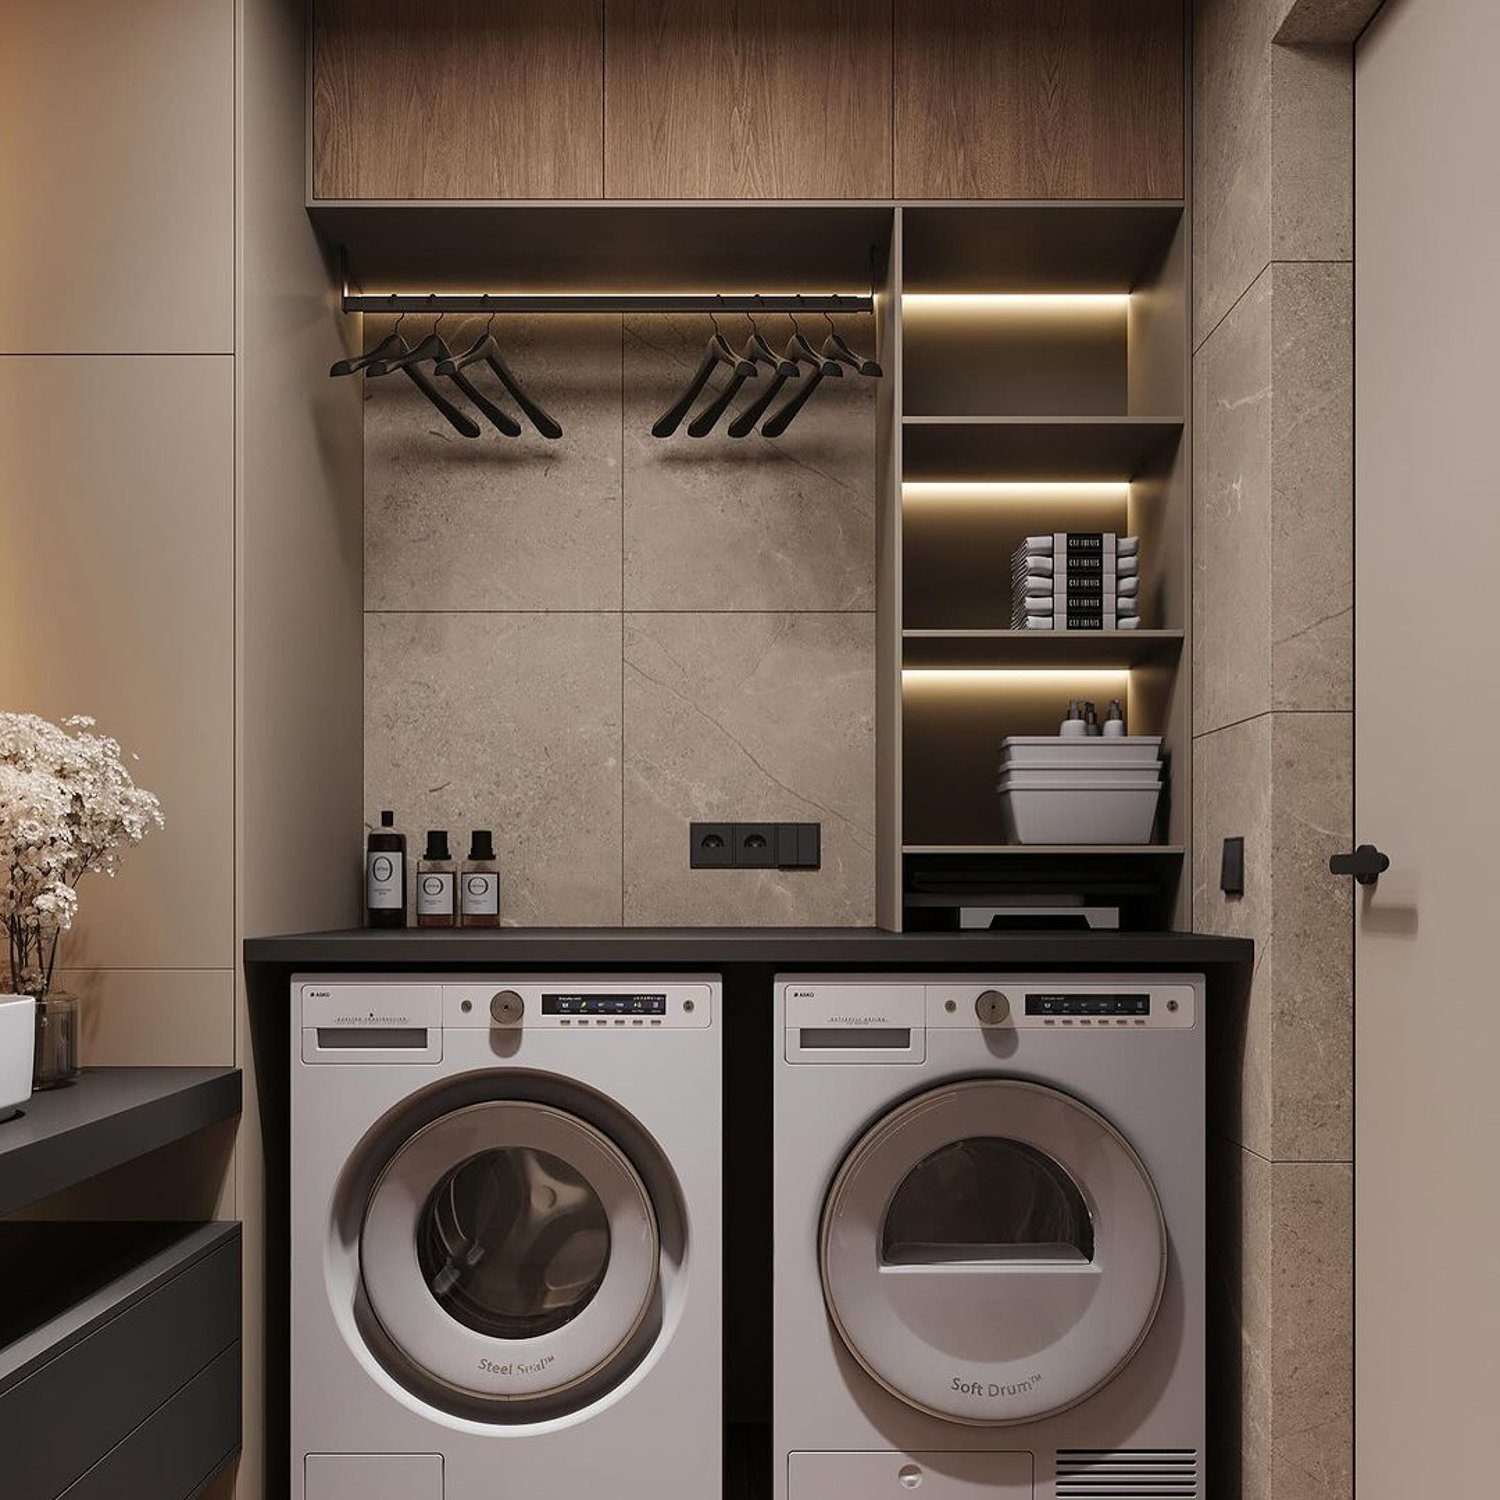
x=67 y=807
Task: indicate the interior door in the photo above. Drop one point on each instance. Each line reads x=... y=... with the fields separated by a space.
x=1427 y=741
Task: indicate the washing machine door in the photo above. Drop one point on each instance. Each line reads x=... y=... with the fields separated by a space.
x=992 y=1252
x=510 y=1252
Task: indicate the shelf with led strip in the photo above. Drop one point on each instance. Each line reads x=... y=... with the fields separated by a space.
x=1052 y=448
x=936 y=649
x=1165 y=851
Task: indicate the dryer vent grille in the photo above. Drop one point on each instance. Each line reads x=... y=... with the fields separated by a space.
x=1127 y=1474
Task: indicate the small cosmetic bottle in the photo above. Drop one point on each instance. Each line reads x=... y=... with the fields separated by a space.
x=1114 y=725
x=385 y=875
x=435 y=882
x=1074 y=726
x=479 y=885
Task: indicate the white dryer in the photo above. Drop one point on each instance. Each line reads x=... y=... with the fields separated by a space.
x=989 y=1216
x=505 y=1230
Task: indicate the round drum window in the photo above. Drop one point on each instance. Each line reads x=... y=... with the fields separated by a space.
x=513 y=1243
x=992 y=1251
x=983 y=1200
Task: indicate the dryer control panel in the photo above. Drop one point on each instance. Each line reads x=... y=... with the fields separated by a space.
x=869 y=1019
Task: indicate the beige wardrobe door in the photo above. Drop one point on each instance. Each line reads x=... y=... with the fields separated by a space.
x=1427 y=743
x=117 y=176
x=117 y=600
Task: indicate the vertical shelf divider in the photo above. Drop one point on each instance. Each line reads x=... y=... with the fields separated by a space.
x=890 y=872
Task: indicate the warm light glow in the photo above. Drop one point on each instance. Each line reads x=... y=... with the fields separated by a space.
x=1000 y=301
x=1016 y=489
x=628 y=294
x=1039 y=677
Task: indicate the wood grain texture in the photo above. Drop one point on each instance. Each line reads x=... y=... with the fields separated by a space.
x=748 y=99
x=458 y=99
x=1039 y=98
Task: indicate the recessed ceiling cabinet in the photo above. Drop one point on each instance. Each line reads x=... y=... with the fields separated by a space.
x=1039 y=98
x=457 y=99
x=750 y=99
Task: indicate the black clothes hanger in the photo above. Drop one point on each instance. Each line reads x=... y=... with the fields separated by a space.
x=409 y=360
x=486 y=348
x=450 y=369
x=834 y=347
x=822 y=367
x=757 y=352
x=390 y=344
x=787 y=368
x=716 y=353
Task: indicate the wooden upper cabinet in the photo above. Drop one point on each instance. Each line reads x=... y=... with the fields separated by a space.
x=748 y=99
x=1039 y=98
x=458 y=99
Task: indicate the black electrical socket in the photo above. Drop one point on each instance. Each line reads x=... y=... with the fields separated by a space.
x=712 y=846
x=755 y=846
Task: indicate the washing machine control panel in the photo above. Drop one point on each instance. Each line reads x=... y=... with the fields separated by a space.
x=375 y=1019
x=572 y=1004
x=582 y=1003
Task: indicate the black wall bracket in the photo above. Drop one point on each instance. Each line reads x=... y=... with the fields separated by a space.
x=756 y=846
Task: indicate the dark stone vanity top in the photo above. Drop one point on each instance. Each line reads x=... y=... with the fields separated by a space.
x=713 y=947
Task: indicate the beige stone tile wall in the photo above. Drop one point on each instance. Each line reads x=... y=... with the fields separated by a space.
x=586 y=645
x=1273 y=696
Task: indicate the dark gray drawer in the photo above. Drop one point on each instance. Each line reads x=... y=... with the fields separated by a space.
x=176 y=1448
x=145 y=1369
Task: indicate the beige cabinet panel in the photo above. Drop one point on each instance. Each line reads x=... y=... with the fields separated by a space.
x=1039 y=98
x=750 y=99
x=117 y=600
x=159 y=1018
x=117 y=176
x=457 y=99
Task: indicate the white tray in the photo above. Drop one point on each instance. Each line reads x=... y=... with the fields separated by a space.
x=1044 y=751
x=1077 y=778
x=1105 y=815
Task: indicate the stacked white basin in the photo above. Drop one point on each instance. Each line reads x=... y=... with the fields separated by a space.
x=1084 y=790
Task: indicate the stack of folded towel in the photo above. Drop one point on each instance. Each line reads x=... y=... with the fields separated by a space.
x=1076 y=580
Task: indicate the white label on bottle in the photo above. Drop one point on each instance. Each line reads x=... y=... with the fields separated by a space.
x=385 y=880
x=435 y=893
x=481 y=894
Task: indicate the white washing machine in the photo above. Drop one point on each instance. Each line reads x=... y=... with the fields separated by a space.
x=505 y=1231
x=989 y=1215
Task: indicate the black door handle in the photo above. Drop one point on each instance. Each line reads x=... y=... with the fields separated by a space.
x=1367 y=864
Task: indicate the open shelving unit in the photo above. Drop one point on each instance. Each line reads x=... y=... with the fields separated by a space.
x=1036 y=358
x=1041 y=385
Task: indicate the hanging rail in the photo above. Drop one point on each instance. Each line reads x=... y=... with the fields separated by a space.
x=607 y=302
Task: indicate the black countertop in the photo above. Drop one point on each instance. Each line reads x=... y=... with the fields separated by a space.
x=713 y=947
x=108 y=1116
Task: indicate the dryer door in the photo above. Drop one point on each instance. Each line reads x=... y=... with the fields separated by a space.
x=992 y=1252
x=510 y=1251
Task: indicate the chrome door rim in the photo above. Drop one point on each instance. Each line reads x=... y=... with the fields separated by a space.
x=508 y=1371
x=914 y=1373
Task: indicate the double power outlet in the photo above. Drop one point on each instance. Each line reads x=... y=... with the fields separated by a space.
x=756 y=846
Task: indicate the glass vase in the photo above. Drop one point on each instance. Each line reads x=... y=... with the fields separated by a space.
x=57 y=1037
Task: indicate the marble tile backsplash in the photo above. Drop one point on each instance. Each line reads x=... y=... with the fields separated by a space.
x=587 y=644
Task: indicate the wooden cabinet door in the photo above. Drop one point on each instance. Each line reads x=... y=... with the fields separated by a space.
x=458 y=99
x=1039 y=98
x=748 y=99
